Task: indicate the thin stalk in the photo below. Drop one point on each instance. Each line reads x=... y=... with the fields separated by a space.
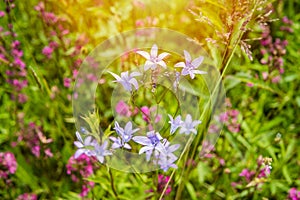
x=112 y=183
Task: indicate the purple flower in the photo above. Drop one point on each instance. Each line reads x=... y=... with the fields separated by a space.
x=188 y=126
x=150 y=142
x=153 y=59
x=101 y=151
x=125 y=135
x=127 y=80
x=84 y=147
x=175 y=123
x=169 y=149
x=190 y=66
x=166 y=163
x=166 y=158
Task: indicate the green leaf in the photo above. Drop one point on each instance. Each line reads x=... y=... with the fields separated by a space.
x=286 y=174
x=203 y=171
x=191 y=191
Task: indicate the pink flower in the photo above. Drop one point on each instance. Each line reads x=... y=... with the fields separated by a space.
x=19 y=62
x=67 y=82
x=50 y=17
x=265 y=75
x=276 y=79
x=2 y=13
x=40 y=6
x=123 y=109
x=75 y=73
x=47 y=51
x=48 y=152
x=36 y=151
x=294 y=194
x=27 y=196
x=250 y=84
x=247 y=174
x=223 y=117
x=15 y=44
x=22 y=98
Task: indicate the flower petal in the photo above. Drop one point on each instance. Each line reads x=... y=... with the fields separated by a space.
x=118 y=78
x=196 y=62
x=142 y=140
x=187 y=56
x=180 y=64
x=144 y=54
x=134 y=83
x=78 y=144
x=144 y=149
x=163 y=55
x=79 y=136
x=154 y=50
x=162 y=63
x=199 y=72
x=79 y=152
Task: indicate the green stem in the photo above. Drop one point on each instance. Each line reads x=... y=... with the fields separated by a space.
x=112 y=183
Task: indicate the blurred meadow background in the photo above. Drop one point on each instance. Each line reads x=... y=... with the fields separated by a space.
x=254 y=43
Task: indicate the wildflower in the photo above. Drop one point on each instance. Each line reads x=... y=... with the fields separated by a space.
x=151 y=142
x=294 y=194
x=188 y=126
x=101 y=151
x=153 y=59
x=126 y=133
x=127 y=80
x=47 y=51
x=167 y=162
x=125 y=136
x=2 y=13
x=8 y=165
x=27 y=196
x=169 y=149
x=247 y=174
x=265 y=171
x=166 y=158
x=84 y=146
x=81 y=168
x=67 y=82
x=175 y=123
x=190 y=67
x=147 y=114
x=124 y=110
x=48 y=152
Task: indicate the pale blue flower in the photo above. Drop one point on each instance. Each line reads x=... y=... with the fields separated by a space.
x=188 y=126
x=127 y=80
x=152 y=59
x=166 y=163
x=150 y=142
x=127 y=132
x=190 y=66
x=101 y=151
x=169 y=149
x=125 y=135
x=84 y=146
x=118 y=143
x=175 y=123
